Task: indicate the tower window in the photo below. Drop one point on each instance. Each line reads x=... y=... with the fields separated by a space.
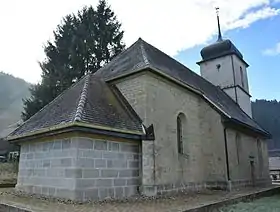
x=180 y=131
x=218 y=67
x=242 y=77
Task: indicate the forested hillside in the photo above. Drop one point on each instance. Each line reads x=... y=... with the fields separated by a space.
x=12 y=90
x=267 y=114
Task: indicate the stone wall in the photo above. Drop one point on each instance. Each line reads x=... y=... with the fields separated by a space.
x=80 y=168
x=203 y=164
x=241 y=153
x=204 y=157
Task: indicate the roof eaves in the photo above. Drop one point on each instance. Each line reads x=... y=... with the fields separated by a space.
x=262 y=132
x=222 y=55
x=216 y=106
x=83 y=124
x=71 y=124
x=82 y=101
x=157 y=71
x=44 y=130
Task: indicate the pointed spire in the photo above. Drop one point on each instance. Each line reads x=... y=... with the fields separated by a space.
x=219 y=27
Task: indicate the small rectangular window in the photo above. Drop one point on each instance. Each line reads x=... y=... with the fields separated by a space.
x=242 y=77
x=181 y=120
x=238 y=147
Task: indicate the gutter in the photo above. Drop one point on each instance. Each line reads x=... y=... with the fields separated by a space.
x=80 y=127
x=262 y=132
x=222 y=55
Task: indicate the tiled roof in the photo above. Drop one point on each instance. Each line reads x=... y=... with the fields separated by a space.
x=142 y=55
x=90 y=101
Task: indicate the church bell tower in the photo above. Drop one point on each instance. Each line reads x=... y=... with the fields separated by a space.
x=223 y=65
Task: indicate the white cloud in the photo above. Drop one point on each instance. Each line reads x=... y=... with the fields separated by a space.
x=252 y=17
x=171 y=26
x=273 y=51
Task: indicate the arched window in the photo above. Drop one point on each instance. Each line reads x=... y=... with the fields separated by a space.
x=180 y=132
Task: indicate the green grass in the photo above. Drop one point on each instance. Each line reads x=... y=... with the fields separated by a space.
x=266 y=204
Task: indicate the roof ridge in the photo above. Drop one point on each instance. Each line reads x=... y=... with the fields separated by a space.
x=82 y=101
x=50 y=103
x=144 y=53
x=115 y=58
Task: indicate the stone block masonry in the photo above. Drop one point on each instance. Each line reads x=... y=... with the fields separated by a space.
x=80 y=168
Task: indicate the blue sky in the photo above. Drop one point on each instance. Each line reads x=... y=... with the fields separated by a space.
x=264 y=70
x=179 y=28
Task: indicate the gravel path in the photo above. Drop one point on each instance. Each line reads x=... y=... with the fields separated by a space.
x=172 y=203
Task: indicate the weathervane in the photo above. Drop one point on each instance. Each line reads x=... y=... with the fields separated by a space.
x=219 y=27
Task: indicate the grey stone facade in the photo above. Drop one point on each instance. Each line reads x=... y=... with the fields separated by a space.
x=203 y=164
x=80 y=168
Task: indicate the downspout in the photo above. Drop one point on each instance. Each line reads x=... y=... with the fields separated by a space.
x=226 y=152
x=154 y=155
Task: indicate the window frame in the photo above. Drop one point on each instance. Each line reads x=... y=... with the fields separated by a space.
x=180 y=146
x=242 y=77
x=238 y=146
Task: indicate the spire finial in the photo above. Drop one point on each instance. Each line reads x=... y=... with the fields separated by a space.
x=219 y=27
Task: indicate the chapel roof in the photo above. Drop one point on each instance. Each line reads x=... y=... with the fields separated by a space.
x=96 y=103
x=222 y=47
x=90 y=102
x=218 y=49
x=141 y=55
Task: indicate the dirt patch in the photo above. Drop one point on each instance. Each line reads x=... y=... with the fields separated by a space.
x=8 y=173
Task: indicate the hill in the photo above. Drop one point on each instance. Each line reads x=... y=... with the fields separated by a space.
x=267 y=114
x=12 y=91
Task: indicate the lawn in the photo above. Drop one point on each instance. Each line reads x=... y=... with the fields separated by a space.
x=266 y=204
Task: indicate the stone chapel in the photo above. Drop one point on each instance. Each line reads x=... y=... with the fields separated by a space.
x=145 y=124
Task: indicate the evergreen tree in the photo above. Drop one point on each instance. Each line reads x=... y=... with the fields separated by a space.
x=267 y=114
x=82 y=44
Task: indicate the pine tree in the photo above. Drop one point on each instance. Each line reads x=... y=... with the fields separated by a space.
x=82 y=44
x=267 y=114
